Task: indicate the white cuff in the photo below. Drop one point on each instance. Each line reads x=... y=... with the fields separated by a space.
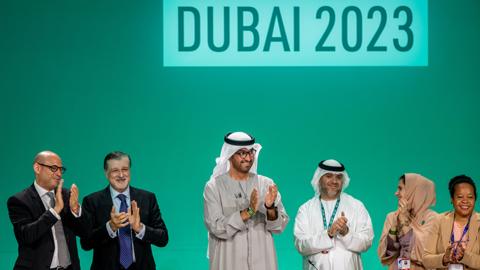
x=55 y=214
x=141 y=233
x=79 y=212
x=111 y=233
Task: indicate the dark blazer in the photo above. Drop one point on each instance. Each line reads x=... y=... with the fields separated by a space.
x=32 y=225
x=105 y=248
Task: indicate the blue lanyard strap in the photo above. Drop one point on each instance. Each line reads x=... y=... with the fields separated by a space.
x=452 y=236
x=331 y=217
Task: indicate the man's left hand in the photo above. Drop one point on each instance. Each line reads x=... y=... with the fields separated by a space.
x=134 y=217
x=341 y=224
x=271 y=195
x=74 y=205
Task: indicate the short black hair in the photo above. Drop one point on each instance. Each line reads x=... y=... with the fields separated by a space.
x=116 y=155
x=459 y=179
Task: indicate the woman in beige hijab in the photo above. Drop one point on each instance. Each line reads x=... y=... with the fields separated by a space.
x=401 y=244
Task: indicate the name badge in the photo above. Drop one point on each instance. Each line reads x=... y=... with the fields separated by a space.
x=403 y=264
x=455 y=266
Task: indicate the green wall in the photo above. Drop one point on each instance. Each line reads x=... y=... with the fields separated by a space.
x=83 y=78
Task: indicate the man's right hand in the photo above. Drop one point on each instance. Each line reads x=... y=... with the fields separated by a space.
x=332 y=232
x=59 y=198
x=253 y=205
x=117 y=220
x=339 y=226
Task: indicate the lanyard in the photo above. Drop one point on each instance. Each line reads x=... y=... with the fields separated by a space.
x=452 y=236
x=333 y=214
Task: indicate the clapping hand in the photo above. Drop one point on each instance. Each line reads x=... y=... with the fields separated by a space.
x=118 y=220
x=448 y=256
x=339 y=226
x=403 y=213
x=74 y=205
x=59 y=198
x=271 y=196
x=134 y=217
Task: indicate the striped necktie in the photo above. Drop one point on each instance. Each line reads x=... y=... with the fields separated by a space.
x=62 y=248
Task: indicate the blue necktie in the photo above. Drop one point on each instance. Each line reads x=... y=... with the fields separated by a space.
x=125 y=237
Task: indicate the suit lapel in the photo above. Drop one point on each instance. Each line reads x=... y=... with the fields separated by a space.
x=133 y=194
x=447 y=227
x=35 y=201
x=37 y=206
x=473 y=231
x=106 y=201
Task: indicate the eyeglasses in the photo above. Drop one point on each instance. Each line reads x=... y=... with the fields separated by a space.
x=118 y=171
x=53 y=168
x=243 y=154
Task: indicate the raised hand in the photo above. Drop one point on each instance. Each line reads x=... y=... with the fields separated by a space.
x=271 y=195
x=339 y=226
x=59 y=198
x=403 y=214
x=342 y=224
x=74 y=205
x=134 y=217
x=117 y=220
x=254 y=200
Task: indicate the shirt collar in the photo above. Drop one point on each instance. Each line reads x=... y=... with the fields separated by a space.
x=40 y=190
x=115 y=193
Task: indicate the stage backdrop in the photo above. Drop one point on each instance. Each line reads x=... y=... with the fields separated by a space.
x=83 y=78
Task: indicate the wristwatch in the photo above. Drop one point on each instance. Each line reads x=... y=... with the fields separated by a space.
x=392 y=231
x=250 y=212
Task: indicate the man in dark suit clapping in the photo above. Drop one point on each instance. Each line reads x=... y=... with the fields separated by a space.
x=125 y=221
x=46 y=218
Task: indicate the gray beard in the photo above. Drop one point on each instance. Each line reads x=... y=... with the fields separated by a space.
x=325 y=195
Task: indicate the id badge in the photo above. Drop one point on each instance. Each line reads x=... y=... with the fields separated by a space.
x=403 y=264
x=455 y=266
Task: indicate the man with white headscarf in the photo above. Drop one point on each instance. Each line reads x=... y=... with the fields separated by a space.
x=242 y=209
x=332 y=228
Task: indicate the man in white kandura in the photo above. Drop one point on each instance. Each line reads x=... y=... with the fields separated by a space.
x=242 y=209
x=332 y=228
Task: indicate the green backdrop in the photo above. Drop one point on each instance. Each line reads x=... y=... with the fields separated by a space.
x=83 y=78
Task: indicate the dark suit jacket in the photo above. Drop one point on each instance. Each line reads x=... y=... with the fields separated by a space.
x=105 y=248
x=32 y=225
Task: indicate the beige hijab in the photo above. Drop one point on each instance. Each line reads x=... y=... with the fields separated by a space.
x=420 y=196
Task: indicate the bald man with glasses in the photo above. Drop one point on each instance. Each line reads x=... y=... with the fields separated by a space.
x=46 y=218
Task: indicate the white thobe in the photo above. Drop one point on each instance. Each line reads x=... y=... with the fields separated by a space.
x=319 y=251
x=233 y=243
